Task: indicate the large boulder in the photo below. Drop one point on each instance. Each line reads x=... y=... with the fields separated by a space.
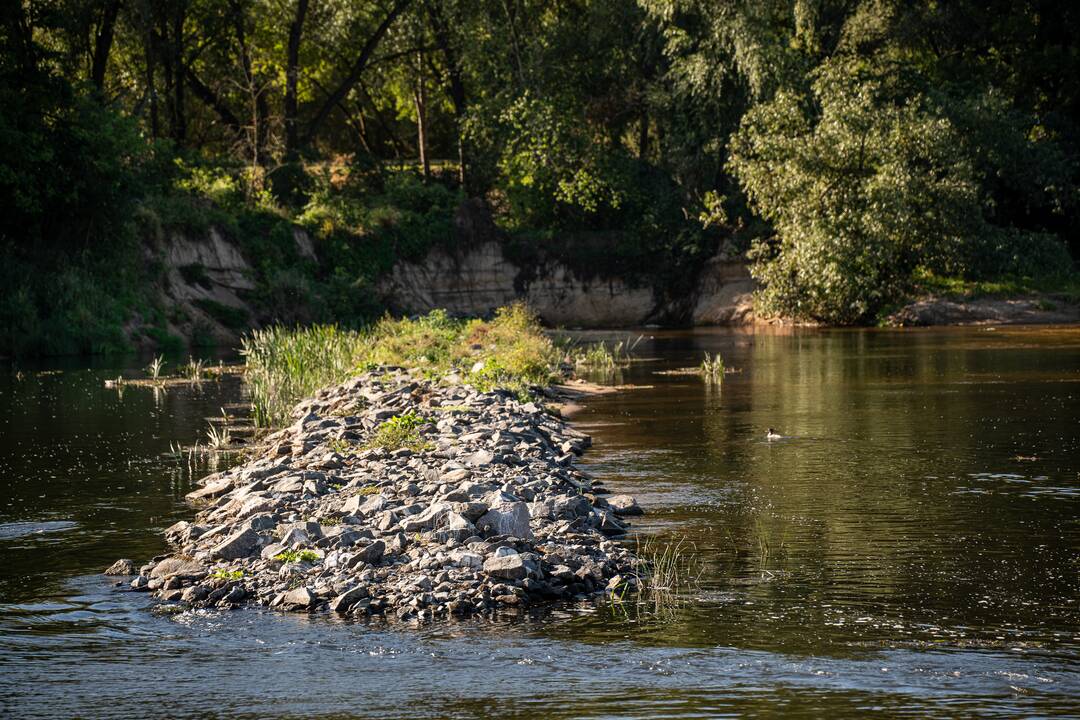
x=238 y=545
x=123 y=566
x=624 y=505
x=506 y=516
x=299 y=599
x=178 y=566
x=507 y=567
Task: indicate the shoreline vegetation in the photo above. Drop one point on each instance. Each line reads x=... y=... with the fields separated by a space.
x=856 y=155
x=413 y=472
x=511 y=351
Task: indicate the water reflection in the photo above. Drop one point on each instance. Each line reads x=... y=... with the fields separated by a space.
x=923 y=495
x=910 y=546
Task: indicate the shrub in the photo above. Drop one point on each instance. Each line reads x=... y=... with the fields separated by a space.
x=865 y=179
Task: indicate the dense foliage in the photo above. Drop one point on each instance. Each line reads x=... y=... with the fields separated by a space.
x=851 y=146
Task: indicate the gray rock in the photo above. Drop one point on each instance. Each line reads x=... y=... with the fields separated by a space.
x=178 y=566
x=574 y=506
x=312 y=529
x=624 y=505
x=370 y=554
x=183 y=532
x=507 y=567
x=194 y=594
x=262 y=522
x=454 y=527
x=299 y=599
x=506 y=518
x=471 y=511
x=352 y=504
x=374 y=504
x=295 y=538
x=272 y=550
x=234 y=596
x=466 y=559
x=480 y=458
x=343 y=602
x=455 y=476
x=609 y=525
x=123 y=566
x=236 y=546
x=426 y=520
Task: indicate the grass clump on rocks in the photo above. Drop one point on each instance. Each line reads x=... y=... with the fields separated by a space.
x=293 y=556
x=400 y=431
x=223 y=574
x=285 y=365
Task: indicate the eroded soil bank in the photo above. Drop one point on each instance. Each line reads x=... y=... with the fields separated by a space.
x=398 y=495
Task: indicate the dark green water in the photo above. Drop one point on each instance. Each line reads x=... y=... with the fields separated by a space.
x=911 y=547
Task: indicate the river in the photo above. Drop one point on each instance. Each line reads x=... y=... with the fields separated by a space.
x=909 y=547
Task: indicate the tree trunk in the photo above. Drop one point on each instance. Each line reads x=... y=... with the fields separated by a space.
x=259 y=128
x=103 y=41
x=643 y=136
x=455 y=81
x=292 y=72
x=211 y=99
x=420 y=97
x=357 y=69
x=179 y=113
x=150 y=57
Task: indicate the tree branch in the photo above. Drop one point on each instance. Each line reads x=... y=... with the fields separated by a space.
x=357 y=69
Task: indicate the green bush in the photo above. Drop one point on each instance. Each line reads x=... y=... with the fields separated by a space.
x=865 y=179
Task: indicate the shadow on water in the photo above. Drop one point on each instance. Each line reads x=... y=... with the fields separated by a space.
x=910 y=547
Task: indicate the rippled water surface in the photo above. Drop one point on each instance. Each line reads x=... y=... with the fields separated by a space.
x=910 y=547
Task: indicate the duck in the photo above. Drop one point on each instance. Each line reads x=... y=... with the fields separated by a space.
x=773 y=435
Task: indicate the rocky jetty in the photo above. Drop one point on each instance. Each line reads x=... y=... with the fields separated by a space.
x=479 y=508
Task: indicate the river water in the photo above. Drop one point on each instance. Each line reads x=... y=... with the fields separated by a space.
x=909 y=547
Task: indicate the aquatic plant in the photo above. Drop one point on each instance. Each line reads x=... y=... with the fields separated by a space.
x=595 y=357
x=194 y=369
x=599 y=356
x=712 y=368
x=155 y=367
x=284 y=365
x=667 y=574
x=219 y=438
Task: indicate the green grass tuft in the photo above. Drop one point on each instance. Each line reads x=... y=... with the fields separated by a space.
x=223 y=574
x=399 y=432
x=293 y=556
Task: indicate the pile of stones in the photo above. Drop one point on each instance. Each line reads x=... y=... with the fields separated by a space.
x=482 y=510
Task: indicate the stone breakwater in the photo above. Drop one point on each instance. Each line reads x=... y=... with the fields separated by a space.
x=483 y=511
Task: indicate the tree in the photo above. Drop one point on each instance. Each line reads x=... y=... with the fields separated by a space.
x=865 y=179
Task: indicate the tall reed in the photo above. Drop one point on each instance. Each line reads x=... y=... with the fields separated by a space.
x=285 y=365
